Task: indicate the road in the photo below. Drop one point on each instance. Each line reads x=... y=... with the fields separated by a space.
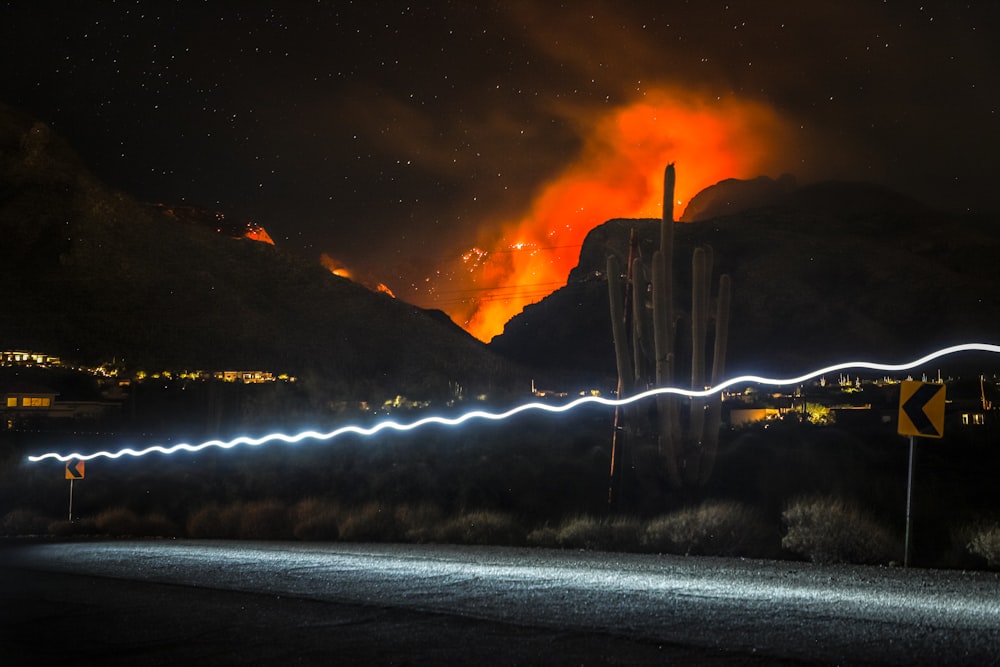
x=162 y=602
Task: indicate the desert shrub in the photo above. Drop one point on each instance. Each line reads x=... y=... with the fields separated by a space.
x=24 y=522
x=829 y=530
x=714 y=528
x=587 y=532
x=419 y=523
x=117 y=521
x=546 y=536
x=264 y=520
x=158 y=525
x=315 y=519
x=984 y=541
x=214 y=522
x=203 y=523
x=121 y=522
x=65 y=528
x=483 y=527
x=371 y=522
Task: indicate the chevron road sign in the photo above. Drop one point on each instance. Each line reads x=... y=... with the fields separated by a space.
x=74 y=469
x=921 y=414
x=921 y=409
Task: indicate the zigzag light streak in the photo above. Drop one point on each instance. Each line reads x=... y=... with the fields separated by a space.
x=481 y=414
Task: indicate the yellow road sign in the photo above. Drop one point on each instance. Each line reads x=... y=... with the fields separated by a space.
x=921 y=409
x=74 y=469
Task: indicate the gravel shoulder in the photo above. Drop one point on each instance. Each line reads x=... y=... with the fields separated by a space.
x=49 y=618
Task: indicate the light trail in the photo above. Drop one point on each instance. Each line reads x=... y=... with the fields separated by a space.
x=525 y=407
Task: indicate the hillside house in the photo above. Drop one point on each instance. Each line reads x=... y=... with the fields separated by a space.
x=27 y=406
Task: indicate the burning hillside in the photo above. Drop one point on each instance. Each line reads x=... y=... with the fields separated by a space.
x=214 y=220
x=616 y=174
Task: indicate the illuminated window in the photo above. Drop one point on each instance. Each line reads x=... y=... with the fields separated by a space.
x=35 y=402
x=11 y=401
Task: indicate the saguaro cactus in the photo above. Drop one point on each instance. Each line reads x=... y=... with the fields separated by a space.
x=688 y=453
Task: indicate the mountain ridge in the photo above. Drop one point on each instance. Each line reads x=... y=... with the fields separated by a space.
x=94 y=275
x=830 y=271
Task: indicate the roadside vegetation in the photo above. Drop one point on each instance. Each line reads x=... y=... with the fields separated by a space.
x=790 y=491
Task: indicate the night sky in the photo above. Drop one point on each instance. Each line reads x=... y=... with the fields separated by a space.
x=458 y=152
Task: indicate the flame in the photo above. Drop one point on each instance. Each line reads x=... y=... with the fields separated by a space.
x=337 y=268
x=618 y=174
x=257 y=233
x=334 y=267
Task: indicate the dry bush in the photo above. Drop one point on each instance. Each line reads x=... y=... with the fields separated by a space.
x=984 y=541
x=483 y=527
x=544 y=536
x=419 y=523
x=214 y=522
x=66 y=528
x=117 y=521
x=123 y=522
x=264 y=520
x=204 y=523
x=315 y=519
x=158 y=525
x=714 y=528
x=587 y=532
x=369 y=523
x=829 y=530
x=24 y=522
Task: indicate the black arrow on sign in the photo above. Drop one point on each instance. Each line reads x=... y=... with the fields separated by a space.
x=73 y=468
x=914 y=408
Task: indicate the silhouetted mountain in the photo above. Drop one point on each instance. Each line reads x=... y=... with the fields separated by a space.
x=826 y=273
x=216 y=220
x=91 y=275
x=734 y=195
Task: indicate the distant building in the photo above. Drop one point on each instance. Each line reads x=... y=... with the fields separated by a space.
x=28 y=398
x=27 y=358
x=246 y=377
x=26 y=406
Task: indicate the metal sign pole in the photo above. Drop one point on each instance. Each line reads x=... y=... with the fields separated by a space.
x=71 y=499
x=909 y=495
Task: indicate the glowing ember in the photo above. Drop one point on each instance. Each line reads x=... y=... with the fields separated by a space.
x=257 y=233
x=204 y=217
x=337 y=268
x=333 y=266
x=618 y=174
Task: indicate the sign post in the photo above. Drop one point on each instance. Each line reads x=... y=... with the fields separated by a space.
x=921 y=414
x=74 y=471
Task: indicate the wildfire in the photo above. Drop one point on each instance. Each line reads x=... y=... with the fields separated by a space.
x=257 y=233
x=337 y=268
x=618 y=174
x=334 y=267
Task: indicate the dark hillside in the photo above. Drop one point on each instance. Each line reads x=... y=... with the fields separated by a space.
x=92 y=275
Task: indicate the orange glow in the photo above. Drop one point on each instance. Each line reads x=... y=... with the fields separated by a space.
x=334 y=267
x=337 y=268
x=258 y=233
x=618 y=174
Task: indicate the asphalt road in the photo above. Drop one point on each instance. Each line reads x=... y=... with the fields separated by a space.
x=167 y=602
